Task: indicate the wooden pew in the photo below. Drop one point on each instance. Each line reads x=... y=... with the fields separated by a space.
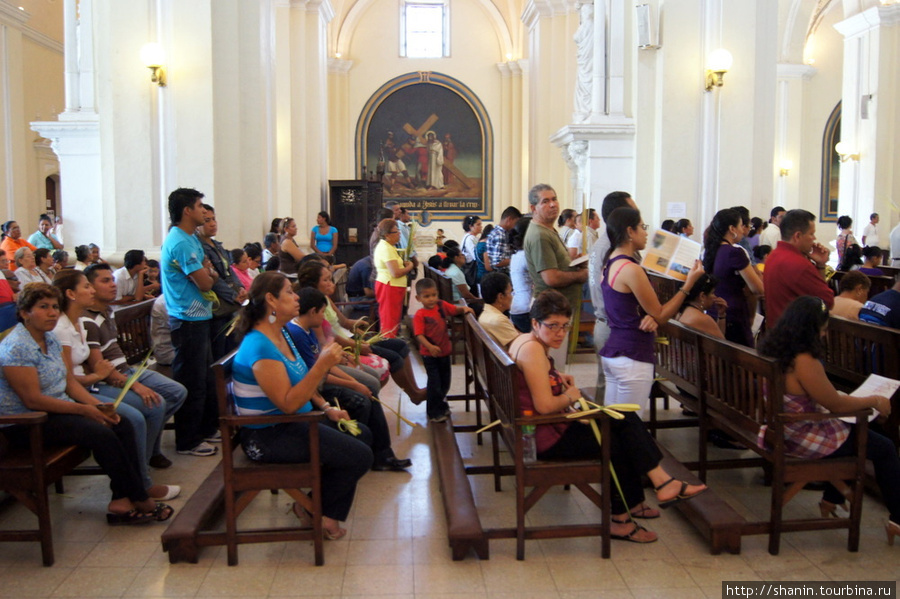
x=464 y=530
x=742 y=391
x=879 y=284
x=233 y=484
x=25 y=474
x=856 y=349
x=501 y=376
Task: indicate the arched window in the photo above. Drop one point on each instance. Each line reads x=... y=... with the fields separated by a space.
x=424 y=28
x=831 y=168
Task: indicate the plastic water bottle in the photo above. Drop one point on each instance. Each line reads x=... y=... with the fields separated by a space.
x=529 y=449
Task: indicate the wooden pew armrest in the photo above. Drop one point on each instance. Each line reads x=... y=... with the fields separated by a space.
x=313 y=416
x=31 y=418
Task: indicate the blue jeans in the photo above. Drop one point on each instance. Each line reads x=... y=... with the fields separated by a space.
x=173 y=393
x=198 y=417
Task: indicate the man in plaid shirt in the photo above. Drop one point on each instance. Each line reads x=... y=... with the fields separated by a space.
x=497 y=246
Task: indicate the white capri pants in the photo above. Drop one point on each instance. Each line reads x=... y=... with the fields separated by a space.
x=628 y=381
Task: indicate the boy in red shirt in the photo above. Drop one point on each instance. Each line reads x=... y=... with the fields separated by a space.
x=430 y=329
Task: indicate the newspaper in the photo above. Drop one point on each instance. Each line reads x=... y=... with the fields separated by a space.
x=670 y=255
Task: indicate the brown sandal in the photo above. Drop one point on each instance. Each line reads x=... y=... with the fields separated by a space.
x=632 y=537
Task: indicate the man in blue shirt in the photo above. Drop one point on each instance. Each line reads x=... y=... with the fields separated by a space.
x=187 y=276
x=883 y=309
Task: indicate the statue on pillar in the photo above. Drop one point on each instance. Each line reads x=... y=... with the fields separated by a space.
x=584 y=42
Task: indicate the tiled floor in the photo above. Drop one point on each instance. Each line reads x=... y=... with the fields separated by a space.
x=397 y=543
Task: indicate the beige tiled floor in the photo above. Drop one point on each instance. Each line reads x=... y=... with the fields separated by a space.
x=397 y=543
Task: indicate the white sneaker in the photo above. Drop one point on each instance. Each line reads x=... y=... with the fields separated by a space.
x=202 y=450
x=214 y=438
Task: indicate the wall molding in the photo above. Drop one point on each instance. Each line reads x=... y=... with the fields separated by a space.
x=867 y=20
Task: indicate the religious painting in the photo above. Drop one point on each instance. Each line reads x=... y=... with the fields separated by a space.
x=831 y=168
x=428 y=139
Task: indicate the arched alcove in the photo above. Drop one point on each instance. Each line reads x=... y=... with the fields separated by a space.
x=831 y=168
x=410 y=107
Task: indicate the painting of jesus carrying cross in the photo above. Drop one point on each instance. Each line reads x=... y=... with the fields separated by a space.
x=429 y=144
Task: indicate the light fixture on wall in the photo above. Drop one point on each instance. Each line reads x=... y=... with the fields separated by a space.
x=153 y=57
x=785 y=166
x=846 y=152
x=717 y=65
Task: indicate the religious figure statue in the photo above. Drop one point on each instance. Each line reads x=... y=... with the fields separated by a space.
x=435 y=162
x=584 y=41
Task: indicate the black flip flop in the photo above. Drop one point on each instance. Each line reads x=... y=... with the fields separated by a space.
x=129 y=518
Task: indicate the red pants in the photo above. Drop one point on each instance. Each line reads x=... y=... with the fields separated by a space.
x=390 y=307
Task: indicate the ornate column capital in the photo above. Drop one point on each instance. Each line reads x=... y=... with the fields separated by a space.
x=340 y=66
x=323 y=7
x=867 y=20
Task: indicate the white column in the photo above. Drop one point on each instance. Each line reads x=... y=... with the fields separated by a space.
x=789 y=131
x=340 y=123
x=869 y=114
x=710 y=125
x=511 y=145
x=601 y=151
x=13 y=183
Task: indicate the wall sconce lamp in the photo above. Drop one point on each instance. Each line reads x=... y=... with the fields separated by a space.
x=785 y=167
x=717 y=65
x=152 y=56
x=845 y=152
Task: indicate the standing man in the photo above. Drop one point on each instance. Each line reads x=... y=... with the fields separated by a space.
x=596 y=263
x=497 y=245
x=547 y=258
x=771 y=235
x=796 y=266
x=187 y=277
x=593 y=228
x=228 y=289
x=871 y=237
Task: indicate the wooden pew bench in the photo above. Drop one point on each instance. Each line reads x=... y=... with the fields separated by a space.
x=25 y=473
x=856 y=349
x=185 y=536
x=464 y=528
x=739 y=391
x=496 y=370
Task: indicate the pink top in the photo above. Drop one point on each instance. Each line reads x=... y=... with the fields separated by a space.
x=243 y=276
x=810 y=439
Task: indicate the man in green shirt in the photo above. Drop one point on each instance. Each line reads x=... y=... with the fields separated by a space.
x=547 y=257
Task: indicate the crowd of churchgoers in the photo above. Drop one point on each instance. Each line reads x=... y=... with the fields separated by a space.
x=296 y=350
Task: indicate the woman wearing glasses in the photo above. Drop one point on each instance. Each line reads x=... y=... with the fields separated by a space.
x=390 y=282
x=633 y=311
x=544 y=390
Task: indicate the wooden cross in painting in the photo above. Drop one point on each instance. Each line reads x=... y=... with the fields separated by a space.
x=419 y=134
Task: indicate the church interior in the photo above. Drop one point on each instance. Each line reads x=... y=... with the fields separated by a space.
x=261 y=104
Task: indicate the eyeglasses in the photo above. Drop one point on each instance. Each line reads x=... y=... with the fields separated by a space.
x=556 y=327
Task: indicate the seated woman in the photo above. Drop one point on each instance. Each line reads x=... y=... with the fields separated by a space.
x=270 y=377
x=854 y=291
x=453 y=265
x=147 y=414
x=27 y=270
x=33 y=376
x=394 y=350
x=547 y=391
x=290 y=253
x=852 y=259
x=699 y=300
x=240 y=266
x=796 y=343
x=339 y=388
x=871 y=261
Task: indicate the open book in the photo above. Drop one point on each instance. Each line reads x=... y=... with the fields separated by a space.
x=874 y=385
x=670 y=255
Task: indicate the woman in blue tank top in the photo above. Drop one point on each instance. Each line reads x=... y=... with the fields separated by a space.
x=633 y=311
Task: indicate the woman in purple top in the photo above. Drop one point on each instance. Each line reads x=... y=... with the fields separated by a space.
x=633 y=311
x=871 y=261
x=730 y=264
